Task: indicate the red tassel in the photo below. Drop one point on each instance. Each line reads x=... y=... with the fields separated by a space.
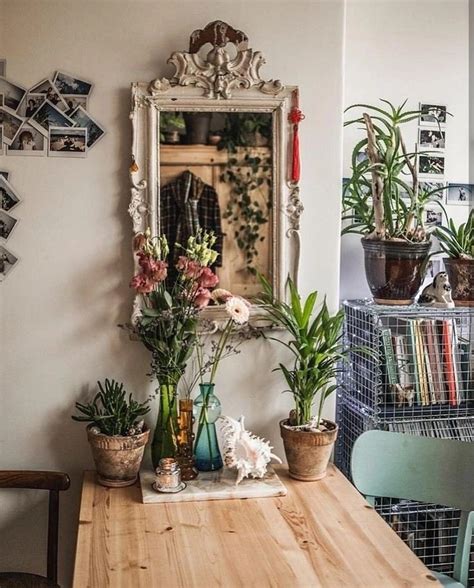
x=295 y=117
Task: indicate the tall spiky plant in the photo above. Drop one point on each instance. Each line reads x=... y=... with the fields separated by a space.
x=382 y=200
x=457 y=242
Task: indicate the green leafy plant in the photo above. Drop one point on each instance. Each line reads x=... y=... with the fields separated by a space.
x=316 y=346
x=111 y=412
x=171 y=121
x=248 y=206
x=241 y=129
x=383 y=198
x=457 y=243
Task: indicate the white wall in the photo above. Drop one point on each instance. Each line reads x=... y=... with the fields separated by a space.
x=398 y=49
x=60 y=306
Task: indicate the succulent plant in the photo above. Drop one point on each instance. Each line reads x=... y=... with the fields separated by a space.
x=111 y=413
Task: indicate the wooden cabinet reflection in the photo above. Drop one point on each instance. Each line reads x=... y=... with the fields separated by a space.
x=208 y=163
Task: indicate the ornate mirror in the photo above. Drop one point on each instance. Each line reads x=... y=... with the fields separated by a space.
x=215 y=147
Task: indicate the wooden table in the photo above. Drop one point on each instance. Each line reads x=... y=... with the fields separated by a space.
x=321 y=534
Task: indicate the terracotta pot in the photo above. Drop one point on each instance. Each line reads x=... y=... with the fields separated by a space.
x=308 y=453
x=461 y=277
x=117 y=459
x=395 y=269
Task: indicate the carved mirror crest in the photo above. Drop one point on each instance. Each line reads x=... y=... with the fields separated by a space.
x=214 y=147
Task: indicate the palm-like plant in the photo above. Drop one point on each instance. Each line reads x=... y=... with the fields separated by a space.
x=382 y=199
x=457 y=243
x=316 y=347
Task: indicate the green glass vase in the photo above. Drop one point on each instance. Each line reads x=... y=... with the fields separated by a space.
x=165 y=437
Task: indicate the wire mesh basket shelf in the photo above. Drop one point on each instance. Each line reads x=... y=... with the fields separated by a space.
x=409 y=362
x=409 y=370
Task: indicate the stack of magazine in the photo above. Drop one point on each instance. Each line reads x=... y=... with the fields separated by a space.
x=427 y=362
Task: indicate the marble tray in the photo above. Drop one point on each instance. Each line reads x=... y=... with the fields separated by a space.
x=214 y=486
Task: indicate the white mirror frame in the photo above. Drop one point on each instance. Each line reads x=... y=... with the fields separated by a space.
x=218 y=83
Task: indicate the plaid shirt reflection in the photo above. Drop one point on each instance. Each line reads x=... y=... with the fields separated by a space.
x=187 y=204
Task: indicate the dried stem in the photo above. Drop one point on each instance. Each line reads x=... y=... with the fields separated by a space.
x=377 y=180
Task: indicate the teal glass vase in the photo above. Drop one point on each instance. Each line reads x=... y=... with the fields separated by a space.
x=207 y=409
x=165 y=438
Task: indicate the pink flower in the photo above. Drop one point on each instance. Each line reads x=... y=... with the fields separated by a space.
x=202 y=298
x=154 y=268
x=142 y=283
x=208 y=278
x=189 y=268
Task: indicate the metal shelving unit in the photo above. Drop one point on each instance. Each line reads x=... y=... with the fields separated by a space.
x=434 y=403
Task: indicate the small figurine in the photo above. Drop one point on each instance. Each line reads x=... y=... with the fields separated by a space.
x=244 y=451
x=404 y=395
x=438 y=293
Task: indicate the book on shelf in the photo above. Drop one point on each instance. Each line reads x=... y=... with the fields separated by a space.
x=429 y=357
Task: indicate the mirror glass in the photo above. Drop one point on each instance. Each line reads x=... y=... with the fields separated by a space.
x=216 y=173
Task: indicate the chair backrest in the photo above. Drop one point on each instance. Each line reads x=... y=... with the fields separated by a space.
x=39 y=480
x=438 y=471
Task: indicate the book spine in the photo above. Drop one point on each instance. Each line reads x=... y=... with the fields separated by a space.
x=426 y=355
x=447 y=338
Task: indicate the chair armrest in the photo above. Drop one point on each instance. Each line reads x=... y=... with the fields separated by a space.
x=38 y=480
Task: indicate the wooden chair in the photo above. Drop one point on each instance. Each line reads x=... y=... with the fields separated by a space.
x=54 y=482
x=437 y=471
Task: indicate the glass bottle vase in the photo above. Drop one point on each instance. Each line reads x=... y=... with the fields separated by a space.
x=207 y=409
x=165 y=437
x=184 y=456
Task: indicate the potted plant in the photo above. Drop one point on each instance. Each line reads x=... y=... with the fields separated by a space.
x=380 y=205
x=117 y=433
x=246 y=129
x=316 y=347
x=170 y=125
x=458 y=244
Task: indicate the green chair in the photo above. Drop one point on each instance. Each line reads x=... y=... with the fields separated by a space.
x=437 y=471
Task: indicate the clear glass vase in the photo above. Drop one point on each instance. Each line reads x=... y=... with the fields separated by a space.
x=207 y=409
x=165 y=437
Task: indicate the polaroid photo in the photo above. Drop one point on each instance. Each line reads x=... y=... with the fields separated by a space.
x=50 y=92
x=69 y=84
x=8 y=197
x=433 y=115
x=7 y=262
x=30 y=104
x=7 y=224
x=67 y=142
x=11 y=123
x=431 y=165
x=5 y=174
x=29 y=141
x=47 y=116
x=432 y=138
x=433 y=218
x=13 y=93
x=3 y=67
x=460 y=194
x=82 y=119
x=74 y=101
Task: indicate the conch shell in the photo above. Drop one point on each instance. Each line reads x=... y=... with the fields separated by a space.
x=244 y=451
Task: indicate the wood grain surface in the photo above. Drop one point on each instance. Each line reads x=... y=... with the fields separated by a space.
x=321 y=534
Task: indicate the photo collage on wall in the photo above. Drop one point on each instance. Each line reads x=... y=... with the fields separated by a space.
x=432 y=141
x=9 y=199
x=50 y=118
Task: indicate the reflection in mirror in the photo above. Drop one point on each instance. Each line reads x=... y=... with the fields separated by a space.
x=216 y=174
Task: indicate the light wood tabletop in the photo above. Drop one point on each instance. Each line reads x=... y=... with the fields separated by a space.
x=321 y=534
